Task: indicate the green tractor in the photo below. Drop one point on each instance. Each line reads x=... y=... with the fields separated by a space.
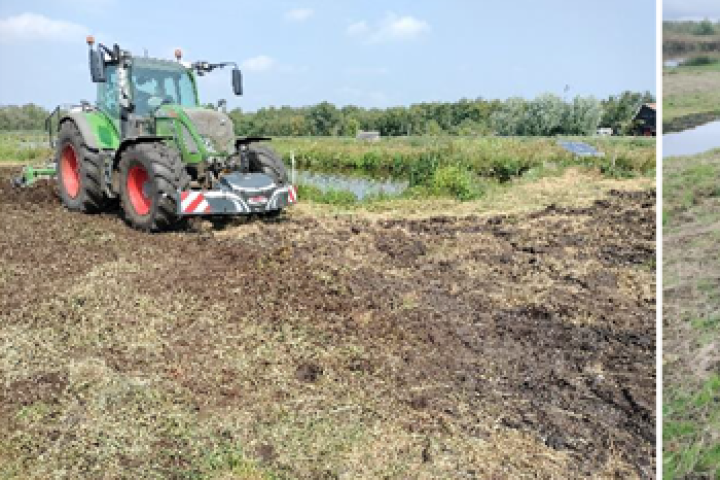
x=148 y=143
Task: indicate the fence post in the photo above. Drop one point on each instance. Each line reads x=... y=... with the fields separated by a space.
x=293 y=174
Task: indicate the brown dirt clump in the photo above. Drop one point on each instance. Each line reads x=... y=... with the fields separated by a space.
x=484 y=347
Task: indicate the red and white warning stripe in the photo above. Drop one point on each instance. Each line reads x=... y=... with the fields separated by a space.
x=194 y=202
x=292 y=194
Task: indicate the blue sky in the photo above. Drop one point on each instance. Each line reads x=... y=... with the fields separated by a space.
x=368 y=53
x=691 y=9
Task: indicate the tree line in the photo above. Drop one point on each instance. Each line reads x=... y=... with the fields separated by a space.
x=546 y=115
x=704 y=27
x=682 y=38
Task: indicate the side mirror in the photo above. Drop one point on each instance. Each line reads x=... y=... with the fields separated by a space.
x=97 y=66
x=237 y=82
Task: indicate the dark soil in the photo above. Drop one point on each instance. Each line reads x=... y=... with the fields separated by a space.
x=541 y=323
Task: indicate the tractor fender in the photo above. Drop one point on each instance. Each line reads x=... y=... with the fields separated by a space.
x=83 y=126
x=135 y=140
x=96 y=129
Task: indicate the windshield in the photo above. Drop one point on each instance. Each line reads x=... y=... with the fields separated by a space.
x=157 y=83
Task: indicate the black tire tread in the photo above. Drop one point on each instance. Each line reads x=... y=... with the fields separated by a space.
x=264 y=159
x=168 y=171
x=92 y=198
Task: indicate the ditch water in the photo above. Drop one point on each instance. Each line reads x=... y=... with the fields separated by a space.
x=692 y=141
x=673 y=62
x=361 y=187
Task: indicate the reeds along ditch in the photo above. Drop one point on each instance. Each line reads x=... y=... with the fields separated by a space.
x=454 y=165
x=459 y=167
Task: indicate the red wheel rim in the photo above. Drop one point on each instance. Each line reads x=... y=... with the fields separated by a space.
x=138 y=188
x=69 y=169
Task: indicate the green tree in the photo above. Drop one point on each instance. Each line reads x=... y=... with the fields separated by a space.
x=705 y=27
x=510 y=118
x=324 y=119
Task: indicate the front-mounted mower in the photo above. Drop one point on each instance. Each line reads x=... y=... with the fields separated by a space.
x=148 y=142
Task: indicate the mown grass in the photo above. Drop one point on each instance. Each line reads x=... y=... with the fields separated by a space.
x=691 y=418
x=691 y=384
x=691 y=95
x=687 y=182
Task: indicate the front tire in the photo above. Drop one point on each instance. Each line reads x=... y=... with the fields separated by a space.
x=263 y=159
x=150 y=176
x=79 y=172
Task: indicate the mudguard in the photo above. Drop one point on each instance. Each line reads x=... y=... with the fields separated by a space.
x=97 y=130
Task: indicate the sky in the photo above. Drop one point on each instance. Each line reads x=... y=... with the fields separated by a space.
x=370 y=53
x=691 y=9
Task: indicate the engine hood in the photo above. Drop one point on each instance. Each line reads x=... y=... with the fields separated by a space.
x=215 y=127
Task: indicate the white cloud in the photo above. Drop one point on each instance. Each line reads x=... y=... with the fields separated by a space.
x=391 y=28
x=29 y=27
x=264 y=63
x=299 y=14
x=260 y=63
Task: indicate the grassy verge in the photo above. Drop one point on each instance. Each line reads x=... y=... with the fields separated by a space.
x=572 y=186
x=19 y=147
x=691 y=96
x=691 y=317
x=498 y=158
x=464 y=169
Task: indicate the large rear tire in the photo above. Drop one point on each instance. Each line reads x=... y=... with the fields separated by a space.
x=150 y=176
x=263 y=159
x=79 y=172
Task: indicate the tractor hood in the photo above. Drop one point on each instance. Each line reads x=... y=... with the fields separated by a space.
x=214 y=127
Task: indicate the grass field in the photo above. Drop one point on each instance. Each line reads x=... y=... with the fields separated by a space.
x=691 y=317
x=24 y=147
x=691 y=96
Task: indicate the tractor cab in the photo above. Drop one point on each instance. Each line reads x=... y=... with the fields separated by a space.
x=152 y=84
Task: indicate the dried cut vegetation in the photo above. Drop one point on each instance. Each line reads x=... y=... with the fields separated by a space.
x=338 y=346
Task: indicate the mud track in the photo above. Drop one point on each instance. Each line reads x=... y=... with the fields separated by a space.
x=541 y=324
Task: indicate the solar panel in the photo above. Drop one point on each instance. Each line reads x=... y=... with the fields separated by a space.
x=580 y=149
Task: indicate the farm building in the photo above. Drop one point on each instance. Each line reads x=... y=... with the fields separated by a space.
x=368 y=136
x=645 y=120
